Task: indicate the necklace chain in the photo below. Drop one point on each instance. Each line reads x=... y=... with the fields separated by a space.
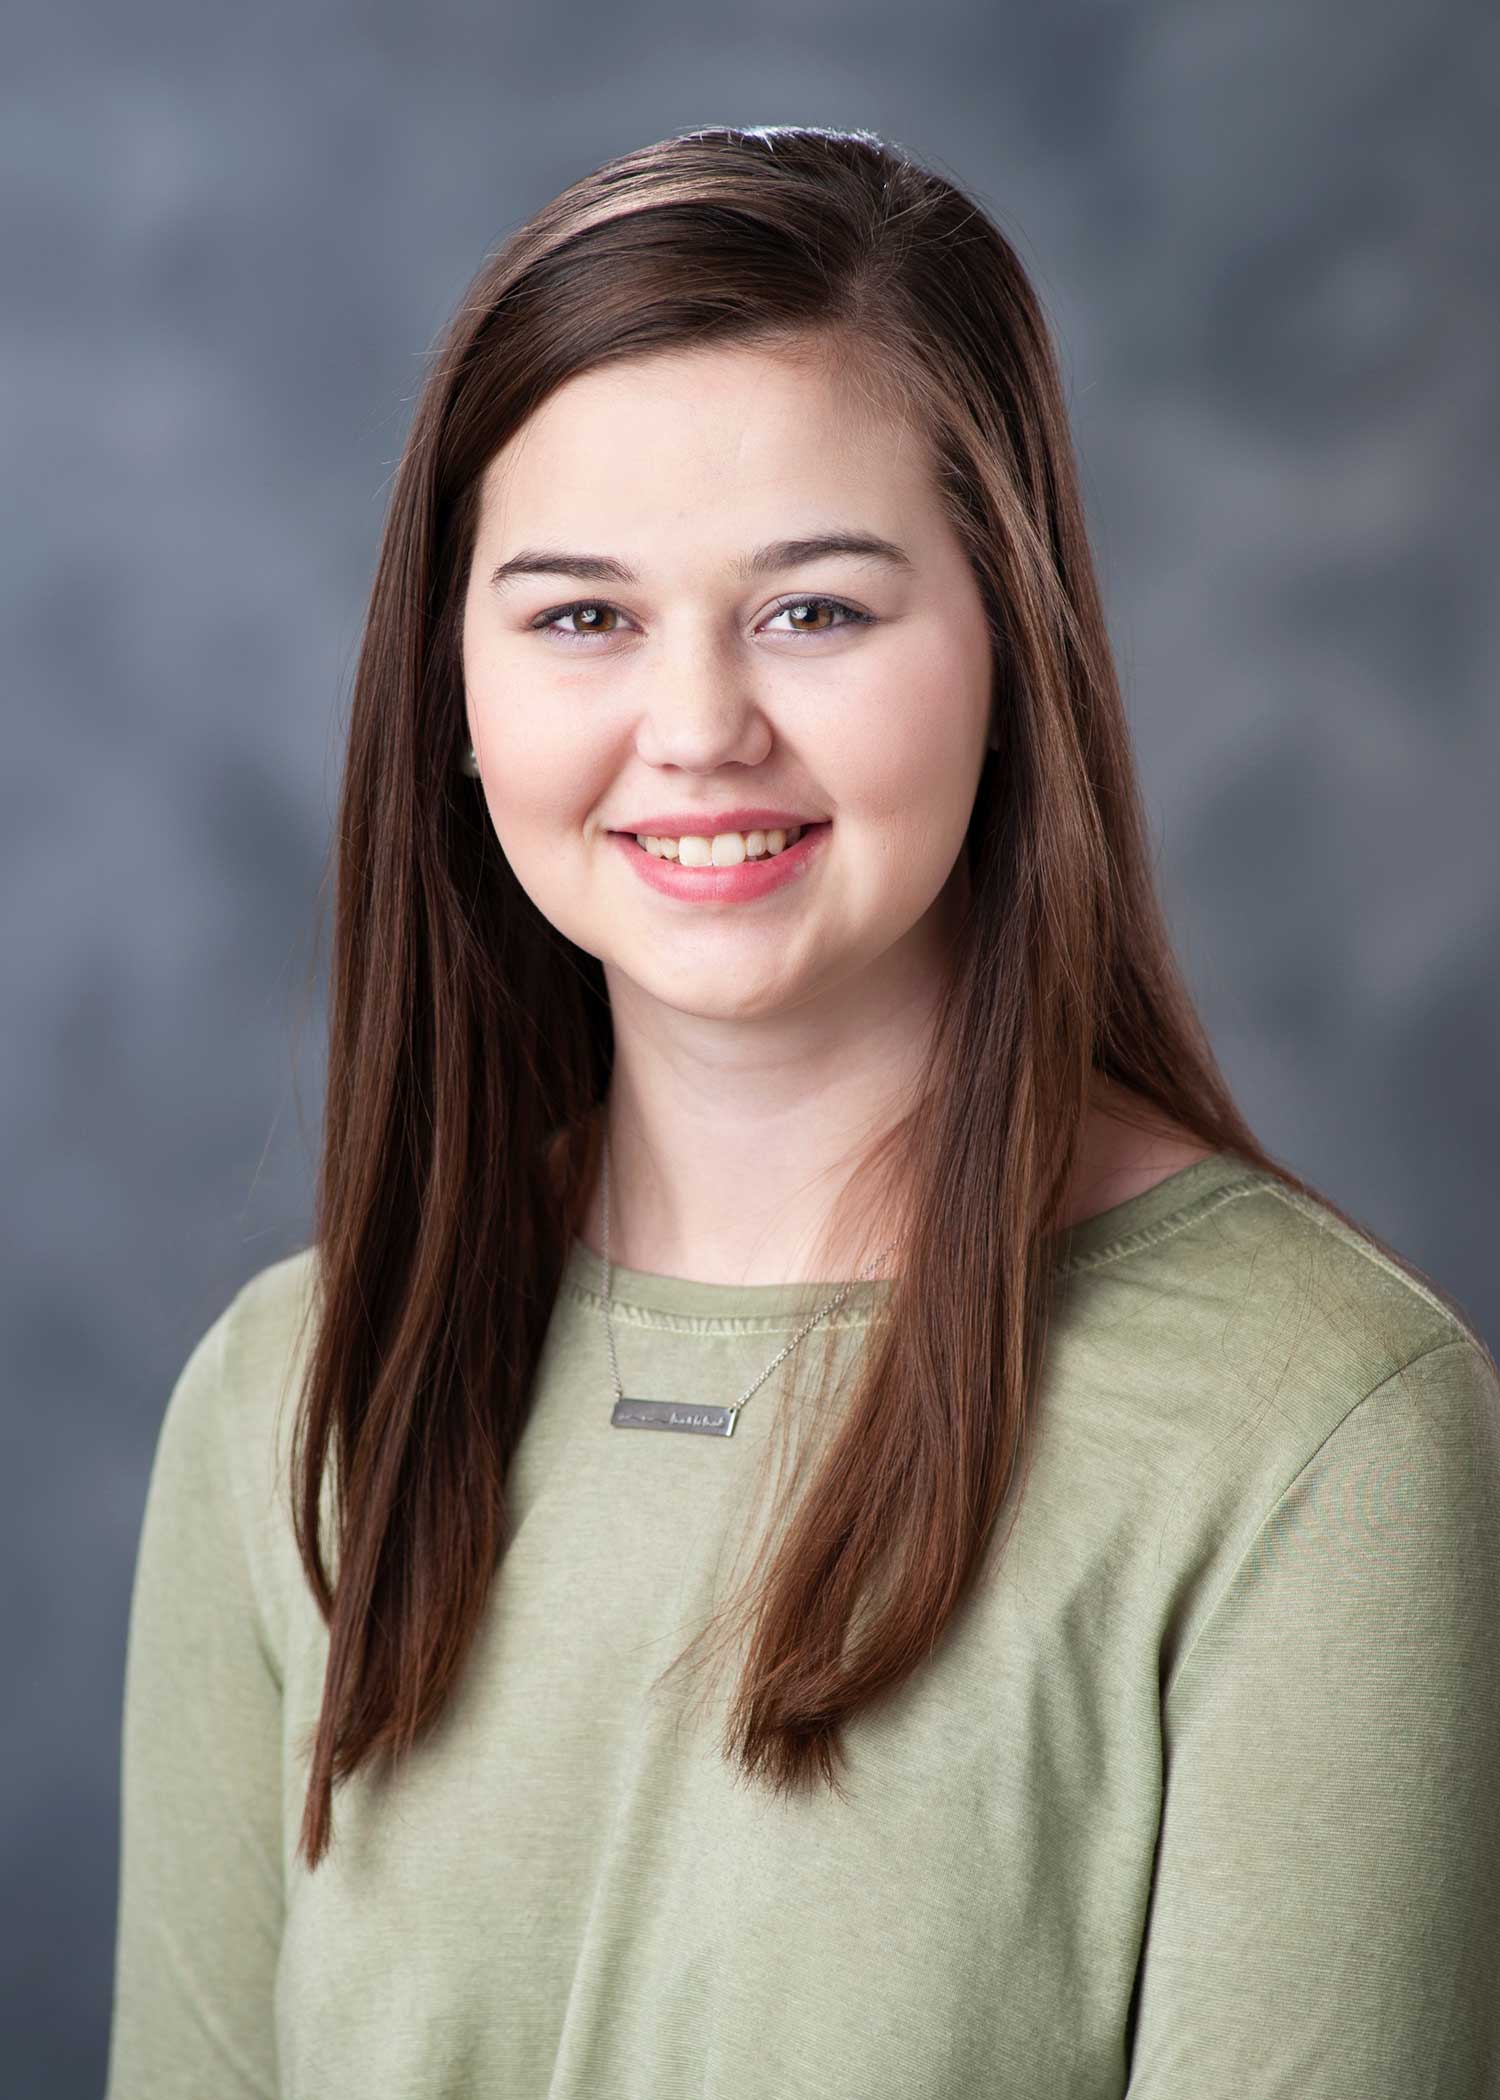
x=807 y=1327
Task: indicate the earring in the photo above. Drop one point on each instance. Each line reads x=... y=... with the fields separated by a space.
x=469 y=764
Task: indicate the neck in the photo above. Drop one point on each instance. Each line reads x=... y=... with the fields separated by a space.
x=673 y=1223
x=731 y=1144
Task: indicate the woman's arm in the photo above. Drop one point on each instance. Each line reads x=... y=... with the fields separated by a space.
x=200 y=1902
x=1325 y=1911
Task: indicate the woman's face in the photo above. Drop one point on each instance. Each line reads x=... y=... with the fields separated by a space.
x=700 y=678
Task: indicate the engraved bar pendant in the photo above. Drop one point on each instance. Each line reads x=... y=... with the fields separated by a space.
x=670 y=1414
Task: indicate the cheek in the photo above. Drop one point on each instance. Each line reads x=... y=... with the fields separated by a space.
x=532 y=780
x=535 y=765
x=531 y=790
x=915 y=776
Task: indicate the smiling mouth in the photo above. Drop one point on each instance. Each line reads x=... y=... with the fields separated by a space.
x=724 y=849
x=734 y=875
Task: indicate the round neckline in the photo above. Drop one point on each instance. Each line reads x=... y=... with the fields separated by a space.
x=649 y=1290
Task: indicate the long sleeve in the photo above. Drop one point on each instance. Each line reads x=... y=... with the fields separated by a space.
x=1325 y=1910
x=200 y=1900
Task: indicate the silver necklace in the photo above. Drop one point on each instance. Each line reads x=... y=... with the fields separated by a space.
x=668 y=1414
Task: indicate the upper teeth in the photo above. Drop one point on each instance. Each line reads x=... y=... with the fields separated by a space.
x=726 y=849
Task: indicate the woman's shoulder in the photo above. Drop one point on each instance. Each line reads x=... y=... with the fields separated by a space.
x=1244 y=1378
x=216 y=1544
x=224 y=1433
x=1232 y=1326
x=1229 y=1258
x=250 y=1344
x=270 y=1311
x=243 y=1368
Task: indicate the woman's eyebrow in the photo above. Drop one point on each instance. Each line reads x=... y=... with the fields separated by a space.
x=778 y=554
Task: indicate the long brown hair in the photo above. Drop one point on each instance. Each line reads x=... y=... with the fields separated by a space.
x=470 y=1043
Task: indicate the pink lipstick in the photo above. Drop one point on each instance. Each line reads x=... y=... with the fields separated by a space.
x=738 y=885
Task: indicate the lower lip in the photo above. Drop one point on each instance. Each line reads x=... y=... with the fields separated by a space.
x=741 y=885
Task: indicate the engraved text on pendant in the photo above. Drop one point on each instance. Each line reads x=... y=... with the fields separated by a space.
x=672 y=1414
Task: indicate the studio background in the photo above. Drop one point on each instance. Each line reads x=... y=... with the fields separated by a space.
x=1265 y=239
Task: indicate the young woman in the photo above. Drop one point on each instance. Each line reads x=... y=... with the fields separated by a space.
x=819 y=1518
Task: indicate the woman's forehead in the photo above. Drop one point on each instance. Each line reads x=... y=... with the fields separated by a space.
x=774 y=447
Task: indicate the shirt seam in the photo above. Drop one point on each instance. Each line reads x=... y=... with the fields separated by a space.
x=1252 y=1544
x=711 y=1324
x=1295 y=1200
x=1137 y=1241
x=1134 y=1242
x=1164 y=1228
x=1255 y=1182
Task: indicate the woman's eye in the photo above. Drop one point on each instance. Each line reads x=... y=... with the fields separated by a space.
x=592 y=614
x=851 y=613
x=591 y=606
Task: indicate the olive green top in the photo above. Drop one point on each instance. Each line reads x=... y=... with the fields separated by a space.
x=1197 y=1799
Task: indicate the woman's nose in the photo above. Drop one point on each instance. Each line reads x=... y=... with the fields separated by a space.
x=701 y=710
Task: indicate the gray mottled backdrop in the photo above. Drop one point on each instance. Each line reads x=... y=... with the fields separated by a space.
x=1266 y=238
